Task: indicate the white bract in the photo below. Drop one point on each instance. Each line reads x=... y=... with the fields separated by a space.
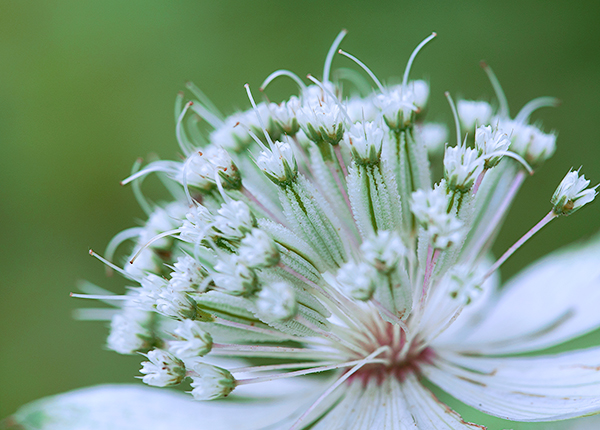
x=355 y=261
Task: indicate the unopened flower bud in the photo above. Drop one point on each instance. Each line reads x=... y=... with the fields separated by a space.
x=211 y=382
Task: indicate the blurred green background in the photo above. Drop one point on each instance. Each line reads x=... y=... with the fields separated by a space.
x=87 y=87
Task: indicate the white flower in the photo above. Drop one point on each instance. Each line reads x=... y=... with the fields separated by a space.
x=163 y=369
x=383 y=250
x=433 y=136
x=322 y=121
x=529 y=141
x=473 y=113
x=365 y=270
x=279 y=163
x=489 y=142
x=277 y=301
x=572 y=193
x=129 y=331
x=257 y=249
x=462 y=165
x=193 y=340
x=285 y=115
x=211 y=382
x=365 y=141
x=357 y=280
x=234 y=277
x=187 y=276
x=431 y=210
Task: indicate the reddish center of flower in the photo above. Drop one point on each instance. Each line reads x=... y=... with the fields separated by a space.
x=400 y=358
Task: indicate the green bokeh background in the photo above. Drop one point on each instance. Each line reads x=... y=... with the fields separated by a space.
x=87 y=87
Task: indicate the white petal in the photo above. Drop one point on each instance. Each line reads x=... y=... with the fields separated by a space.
x=131 y=407
x=552 y=301
x=543 y=388
x=392 y=405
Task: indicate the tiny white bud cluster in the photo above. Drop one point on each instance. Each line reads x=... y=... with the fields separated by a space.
x=490 y=142
x=462 y=165
x=202 y=166
x=234 y=220
x=279 y=164
x=258 y=250
x=365 y=141
x=322 y=122
x=187 y=276
x=383 y=250
x=163 y=369
x=401 y=103
x=129 y=331
x=277 y=301
x=234 y=277
x=210 y=382
x=431 y=210
x=529 y=141
x=192 y=341
x=572 y=194
x=473 y=113
x=358 y=280
x=464 y=284
x=284 y=115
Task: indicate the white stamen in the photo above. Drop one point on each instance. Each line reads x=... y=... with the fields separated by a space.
x=282 y=72
x=366 y=69
x=413 y=56
x=504 y=111
x=331 y=53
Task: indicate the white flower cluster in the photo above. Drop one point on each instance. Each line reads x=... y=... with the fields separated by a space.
x=310 y=234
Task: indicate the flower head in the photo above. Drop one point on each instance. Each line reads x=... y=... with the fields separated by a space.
x=315 y=256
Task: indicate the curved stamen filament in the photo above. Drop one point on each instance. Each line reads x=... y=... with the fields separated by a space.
x=366 y=69
x=534 y=105
x=137 y=189
x=455 y=115
x=151 y=241
x=117 y=240
x=204 y=99
x=504 y=111
x=114 y=266
x=282 y=72
x=413 y=56
x=180 y=133
x=260 y=120
x=331 y=53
